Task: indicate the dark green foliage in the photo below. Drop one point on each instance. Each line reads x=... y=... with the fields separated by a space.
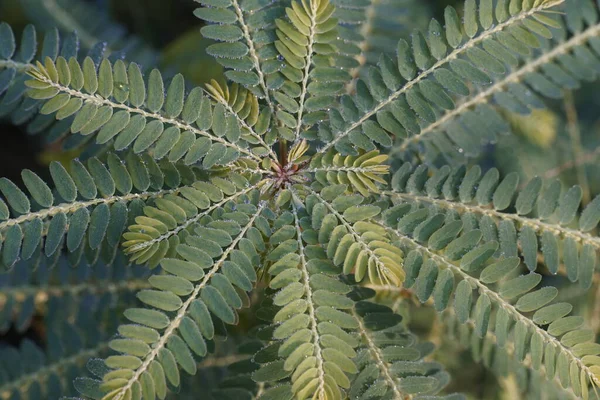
x=89 y=210
x=261 y=209
x=542 y=220
x=64 y=292
x=31 y=372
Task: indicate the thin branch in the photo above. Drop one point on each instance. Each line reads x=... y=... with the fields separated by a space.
x=43 y=293
x=222 y=361
x=365 y=30
x=62 y=17
x=583 y=159
x=595 y=312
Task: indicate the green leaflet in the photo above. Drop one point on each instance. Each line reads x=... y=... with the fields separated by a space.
x=491 y=40
x=211 y=294
x=142 y=124
x=387 y=348
x=161 y=228
x=279 y=176
x=358 y=245
x=89 y=208
x=429 y=274
x=518 y=230
x=302 y=40
x=319 y=310
x=239 y=28
x=361 y=172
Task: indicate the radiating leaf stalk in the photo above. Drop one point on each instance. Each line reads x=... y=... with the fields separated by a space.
x=536 y=224
x=429 y=71
x=313 y=6
x=217 y=93
x=363 y=172
x=509 y=348
x=183 y=310
x=316 y=340
x=501 y=303
x=253 y=54
x=69 y=208
x=514 y=77
x=41 y=74
x=144 y=245
x=385 y=274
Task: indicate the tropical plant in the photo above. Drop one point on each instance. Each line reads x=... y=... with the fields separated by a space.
x=303 y=205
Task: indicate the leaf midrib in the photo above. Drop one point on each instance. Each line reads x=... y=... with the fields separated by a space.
x=424 y=74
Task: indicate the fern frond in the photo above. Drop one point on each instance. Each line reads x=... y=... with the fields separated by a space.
x=361 y=173
x=89 y=209
x=390 y=362
x=162 y=227
x=245 y=31
x=93 y=26
x=502 y=362
x=439 y=256
x=312 y=347
x=116 y=103
x=242 y=105
x=198 y=286
x=23 y=110
x=342 y=226
x=304 y=42
x=549 y=216
x=401 y=95
x=58 y=292
x=30 y=373
x=547 y=75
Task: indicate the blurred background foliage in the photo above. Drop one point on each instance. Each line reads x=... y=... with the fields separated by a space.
x=562 y=141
